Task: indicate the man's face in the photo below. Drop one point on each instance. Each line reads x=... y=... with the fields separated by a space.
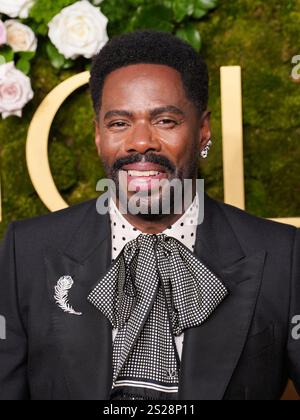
x=148 y=129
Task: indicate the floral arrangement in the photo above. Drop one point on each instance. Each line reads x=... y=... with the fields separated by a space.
x=70 y=32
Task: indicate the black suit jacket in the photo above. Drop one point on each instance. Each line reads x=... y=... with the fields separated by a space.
x=243 y=352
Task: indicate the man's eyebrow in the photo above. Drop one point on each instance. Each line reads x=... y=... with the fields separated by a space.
x=118 y=113
x=153 y=112
x=166 y=109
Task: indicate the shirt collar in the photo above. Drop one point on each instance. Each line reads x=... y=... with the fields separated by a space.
x=184 y=230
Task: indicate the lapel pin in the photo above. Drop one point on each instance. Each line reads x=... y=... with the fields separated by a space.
x=61 y=295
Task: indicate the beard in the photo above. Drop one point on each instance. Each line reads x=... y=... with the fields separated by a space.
x=169 y=196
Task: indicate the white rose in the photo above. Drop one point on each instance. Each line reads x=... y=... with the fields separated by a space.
x=79 y=30
x=16 y=8
x=15 y=90
x=20 y=37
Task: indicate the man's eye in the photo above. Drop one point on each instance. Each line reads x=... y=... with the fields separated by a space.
x=167 y=121
x=117 y=124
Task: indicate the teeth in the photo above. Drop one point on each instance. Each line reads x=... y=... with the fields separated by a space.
x=143 y=173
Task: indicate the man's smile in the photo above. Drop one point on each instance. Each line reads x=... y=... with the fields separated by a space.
x=140 y=175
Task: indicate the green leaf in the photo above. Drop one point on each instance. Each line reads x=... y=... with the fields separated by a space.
x=206 y=4
x=58 y=61
x=182 y=9
x=24 y=66
x=199 y=13
x=202 y=7
x=117 y=10
x=190 y=34
x=27 y=55
x=153 y=17
x=68 y=64
x=7 y=53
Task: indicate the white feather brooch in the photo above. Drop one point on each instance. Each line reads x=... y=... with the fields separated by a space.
x=61 y=295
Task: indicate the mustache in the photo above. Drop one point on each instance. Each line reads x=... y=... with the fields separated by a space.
x=148 y=158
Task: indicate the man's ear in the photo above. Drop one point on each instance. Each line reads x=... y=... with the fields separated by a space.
x=205 y=130
x=97 y=137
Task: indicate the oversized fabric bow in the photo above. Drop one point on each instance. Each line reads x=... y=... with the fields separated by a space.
x=155 y=280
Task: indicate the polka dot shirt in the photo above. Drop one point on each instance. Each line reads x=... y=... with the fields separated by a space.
x=184 y=230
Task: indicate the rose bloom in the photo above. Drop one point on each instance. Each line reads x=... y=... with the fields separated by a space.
x=20 y=37
x=3 y=36
x=15 y=90
x=16 y=8
x=79 y=30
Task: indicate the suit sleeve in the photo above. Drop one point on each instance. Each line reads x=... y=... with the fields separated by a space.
x=294 y=337
x=13 y=343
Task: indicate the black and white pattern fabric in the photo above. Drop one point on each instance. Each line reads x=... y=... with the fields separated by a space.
x=184 y=230
x=154 y=291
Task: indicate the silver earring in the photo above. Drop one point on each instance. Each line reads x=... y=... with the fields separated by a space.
x=205 y=151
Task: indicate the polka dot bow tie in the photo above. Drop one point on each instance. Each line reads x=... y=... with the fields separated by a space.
x=155 y=290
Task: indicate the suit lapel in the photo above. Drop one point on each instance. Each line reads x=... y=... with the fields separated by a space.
x=211 y=352
x=84 y=342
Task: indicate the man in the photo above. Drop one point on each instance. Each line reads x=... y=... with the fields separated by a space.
x=144 y=305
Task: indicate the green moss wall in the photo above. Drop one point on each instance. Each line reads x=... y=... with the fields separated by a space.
x=260 y=36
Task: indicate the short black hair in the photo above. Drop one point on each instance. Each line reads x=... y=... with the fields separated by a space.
x=151 y=47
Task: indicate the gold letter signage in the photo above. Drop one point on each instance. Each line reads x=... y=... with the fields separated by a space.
x=37 y=142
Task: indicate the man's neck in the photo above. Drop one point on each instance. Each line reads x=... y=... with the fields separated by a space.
x=156 y=224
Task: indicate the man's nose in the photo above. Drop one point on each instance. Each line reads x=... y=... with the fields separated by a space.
x=142 y=139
